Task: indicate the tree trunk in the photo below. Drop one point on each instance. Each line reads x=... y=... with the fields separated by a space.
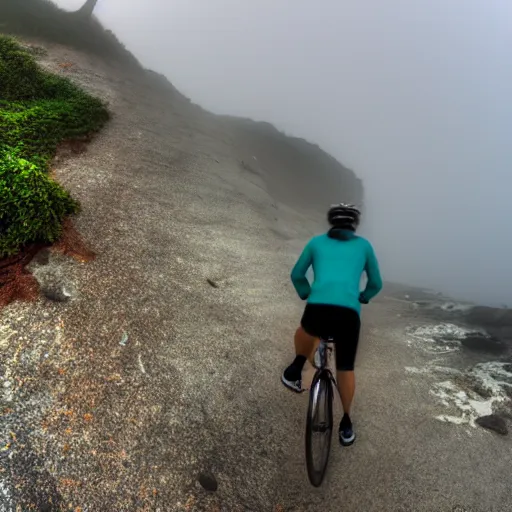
x=87 y=9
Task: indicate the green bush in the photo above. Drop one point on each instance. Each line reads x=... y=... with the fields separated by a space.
x=32 y=205
x=20 y=77
x=38 y=111
x=38 y=127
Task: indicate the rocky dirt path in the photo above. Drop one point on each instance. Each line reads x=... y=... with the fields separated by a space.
x=156 y=386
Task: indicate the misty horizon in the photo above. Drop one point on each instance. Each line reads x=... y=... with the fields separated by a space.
x=413 y=97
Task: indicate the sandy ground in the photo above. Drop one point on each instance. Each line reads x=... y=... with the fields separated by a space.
x=163 y=369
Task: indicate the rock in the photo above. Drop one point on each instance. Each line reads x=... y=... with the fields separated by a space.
x=124 y=339
x=478 y=343
x=56 y=292
x=50 y=271
x=493 y=422
x=213 y=284
x=207 y=481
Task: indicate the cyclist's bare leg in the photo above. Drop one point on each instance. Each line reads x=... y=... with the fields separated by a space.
x=305 y=344
x=304 y=349
x=346 y=386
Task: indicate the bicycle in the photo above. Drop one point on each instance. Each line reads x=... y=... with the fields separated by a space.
x=320 y=400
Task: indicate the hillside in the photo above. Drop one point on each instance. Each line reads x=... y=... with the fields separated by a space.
x=320 y=178
x=148 y=379
x=42 y=18
x=173 y=198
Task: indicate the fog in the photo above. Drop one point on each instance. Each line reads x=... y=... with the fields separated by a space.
x=414 y=95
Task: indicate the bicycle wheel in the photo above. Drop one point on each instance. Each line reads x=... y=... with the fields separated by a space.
x=319 y=426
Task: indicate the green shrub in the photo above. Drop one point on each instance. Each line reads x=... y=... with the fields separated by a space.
x=32 y=205
x=38 y=111
x=20 y=77
x=38 y=127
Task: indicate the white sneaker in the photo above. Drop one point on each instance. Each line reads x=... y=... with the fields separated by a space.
x=293 y=385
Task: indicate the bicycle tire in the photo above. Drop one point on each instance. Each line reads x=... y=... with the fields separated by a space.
x=321 y=393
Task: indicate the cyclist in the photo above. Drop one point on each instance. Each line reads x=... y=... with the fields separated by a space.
x=339 y=259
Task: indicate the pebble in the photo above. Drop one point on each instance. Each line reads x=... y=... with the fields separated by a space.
x=208 y=481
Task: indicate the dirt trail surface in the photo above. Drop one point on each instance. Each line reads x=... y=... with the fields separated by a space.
x=152 y=384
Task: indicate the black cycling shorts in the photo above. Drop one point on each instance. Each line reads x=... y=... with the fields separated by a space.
x=336 y=322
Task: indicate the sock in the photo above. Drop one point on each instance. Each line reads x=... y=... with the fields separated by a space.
x=299 y=362
x=345 y=421
x=294 y=371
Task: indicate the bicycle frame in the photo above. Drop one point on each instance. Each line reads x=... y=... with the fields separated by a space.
x=324 y=349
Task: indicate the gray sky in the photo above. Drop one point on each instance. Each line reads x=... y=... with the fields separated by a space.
x=415 y=96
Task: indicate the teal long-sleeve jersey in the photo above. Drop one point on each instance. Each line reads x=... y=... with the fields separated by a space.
x=337 y=266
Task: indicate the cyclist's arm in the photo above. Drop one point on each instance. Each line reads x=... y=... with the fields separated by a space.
x=298 y=274
x=374 y=283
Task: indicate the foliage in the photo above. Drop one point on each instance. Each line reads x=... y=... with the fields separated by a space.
x=38 y=111
x=32 y=205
